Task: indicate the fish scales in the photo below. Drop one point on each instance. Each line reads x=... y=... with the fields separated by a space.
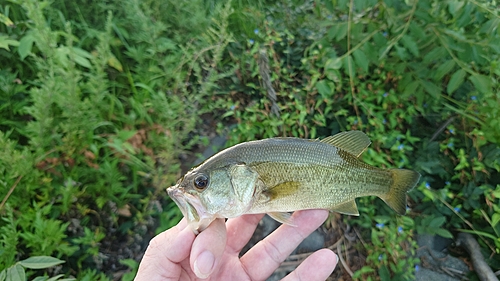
x=320 y=186
x=281 y=175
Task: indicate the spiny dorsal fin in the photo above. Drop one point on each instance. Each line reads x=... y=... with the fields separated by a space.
x=282 y=217
x=348 y=208
x=354 y=142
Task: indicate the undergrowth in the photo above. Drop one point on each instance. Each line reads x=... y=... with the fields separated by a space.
x=100 y=101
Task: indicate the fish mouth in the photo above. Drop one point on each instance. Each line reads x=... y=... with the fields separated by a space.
x=192 y=208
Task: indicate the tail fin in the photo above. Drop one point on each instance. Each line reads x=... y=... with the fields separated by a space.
x=403 y=181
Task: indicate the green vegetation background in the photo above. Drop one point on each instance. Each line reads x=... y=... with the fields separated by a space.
x=100 y=102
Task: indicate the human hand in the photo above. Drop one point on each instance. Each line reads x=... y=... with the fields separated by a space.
x=177 y=254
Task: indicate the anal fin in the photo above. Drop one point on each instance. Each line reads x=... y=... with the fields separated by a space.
x=282 y=217
x=347 y=208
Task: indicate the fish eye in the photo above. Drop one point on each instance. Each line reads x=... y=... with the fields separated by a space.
x=201 y=182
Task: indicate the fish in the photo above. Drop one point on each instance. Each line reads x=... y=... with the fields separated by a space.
x=277 y=176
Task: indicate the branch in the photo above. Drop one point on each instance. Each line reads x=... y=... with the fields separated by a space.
x=10 y=192
x=482 y=269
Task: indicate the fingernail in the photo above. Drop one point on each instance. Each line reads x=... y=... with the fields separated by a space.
x=204 y=264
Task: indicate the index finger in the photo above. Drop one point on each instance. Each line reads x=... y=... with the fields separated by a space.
x=269 y=253
x=164 y=252
x=240 y=230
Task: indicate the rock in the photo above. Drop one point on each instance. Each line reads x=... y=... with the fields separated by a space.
x=425 y=274
x=436 y=263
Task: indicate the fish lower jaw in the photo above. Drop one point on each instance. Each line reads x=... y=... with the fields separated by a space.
x=201 y=224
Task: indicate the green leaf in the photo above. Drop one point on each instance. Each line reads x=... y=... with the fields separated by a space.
x=401 y=52
x=81 y=52
x=5 y=42
x=115 y=63
x=489 y=26
x=465 y=18
x=411 y=45
x=81 y=57
x=437 y=222
x=455 y=81
x=495 y=219
x=444 y=69
x=455 y=34
x=16 y=273
x=361 y=60
x=435 y=54
x=342 y=31
x=3 y=274
x=384 y=273
x=323 y=88
x=481 y=233
x=481 y=82
x=454 y=7
x=81 y=61
x=333 y=63
x=5 y=20
x=411 y=88
x=443 y=233
x=25 y=46
x=349 y=61
x=432 y=89
x=39 y=262
x=58 y=277
x=428 y=194
x=332 y=32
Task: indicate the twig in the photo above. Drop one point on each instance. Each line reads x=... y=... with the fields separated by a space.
x=359 y=236
x=455 y=272
x=349 y=64
x=342 y=261
x=10 y=192
x=466 y=221
x=482 y=269
x=332 y=247
x=264 y=72
x=405 y=29
x=441 y=129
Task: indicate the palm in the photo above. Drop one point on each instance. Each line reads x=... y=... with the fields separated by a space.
x=228 y=239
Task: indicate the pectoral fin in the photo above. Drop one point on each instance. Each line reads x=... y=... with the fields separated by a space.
x=281 y=190
x=348 y=208
x=282 y=217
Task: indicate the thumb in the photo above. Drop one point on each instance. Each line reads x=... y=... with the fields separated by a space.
x=208 y=248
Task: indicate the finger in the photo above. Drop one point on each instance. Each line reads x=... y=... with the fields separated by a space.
x=261 y=261
x=164 y=252
x=317 y=267
x=208 y=248
x=240 y=230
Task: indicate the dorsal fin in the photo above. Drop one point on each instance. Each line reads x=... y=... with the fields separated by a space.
x=354 y=142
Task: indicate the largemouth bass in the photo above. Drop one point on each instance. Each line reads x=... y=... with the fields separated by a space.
x=281 y=175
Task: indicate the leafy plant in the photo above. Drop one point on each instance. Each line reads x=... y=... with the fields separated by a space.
x=99 y=102
x=17 y=271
